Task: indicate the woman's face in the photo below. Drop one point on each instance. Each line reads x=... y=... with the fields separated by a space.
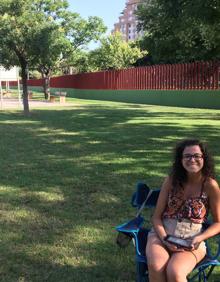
x=192 y=159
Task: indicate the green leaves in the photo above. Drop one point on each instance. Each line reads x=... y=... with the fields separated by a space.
x=42 y=34
x=80 y=31
x=180 y=30
x=114 y=53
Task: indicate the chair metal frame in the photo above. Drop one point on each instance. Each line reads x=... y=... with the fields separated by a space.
x=135 y=228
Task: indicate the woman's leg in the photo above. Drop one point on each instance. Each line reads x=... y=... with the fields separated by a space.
x=182 y=263
x=157 y=258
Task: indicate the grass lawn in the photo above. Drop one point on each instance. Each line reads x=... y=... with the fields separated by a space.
x=66 y=179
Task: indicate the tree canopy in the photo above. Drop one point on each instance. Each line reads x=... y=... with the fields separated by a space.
x=60 y=47
x=39 y=34
x=113 y=53
x=180 y=30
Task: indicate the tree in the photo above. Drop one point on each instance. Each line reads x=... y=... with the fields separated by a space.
x=52 y=46
x=39 y=34
x=60 y=46
x=22 y=22
x=180 y=30
x=114 y=53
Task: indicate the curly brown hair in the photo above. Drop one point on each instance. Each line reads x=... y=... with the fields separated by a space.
x=178 y=172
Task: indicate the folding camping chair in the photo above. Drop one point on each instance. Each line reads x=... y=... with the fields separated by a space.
x=145 y=197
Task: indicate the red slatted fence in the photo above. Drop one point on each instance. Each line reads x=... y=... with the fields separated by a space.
x=198 y=75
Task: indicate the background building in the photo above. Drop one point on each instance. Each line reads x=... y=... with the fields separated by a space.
x=7 y=77
x=127 y=23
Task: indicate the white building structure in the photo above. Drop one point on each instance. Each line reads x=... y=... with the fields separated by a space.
x=127 y=23
x=7 y=76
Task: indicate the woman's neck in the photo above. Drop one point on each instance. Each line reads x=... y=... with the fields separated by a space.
x=195 y=178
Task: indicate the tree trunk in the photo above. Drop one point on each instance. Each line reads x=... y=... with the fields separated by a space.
x=24 y=71
x=45 y=73
x=47 y=87
x=24 y=75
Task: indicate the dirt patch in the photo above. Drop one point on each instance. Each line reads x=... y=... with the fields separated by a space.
x=9 y=103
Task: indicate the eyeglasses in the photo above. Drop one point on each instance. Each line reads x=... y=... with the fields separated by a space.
x=196 y=157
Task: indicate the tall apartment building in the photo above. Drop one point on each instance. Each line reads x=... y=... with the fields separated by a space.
x=127 y=23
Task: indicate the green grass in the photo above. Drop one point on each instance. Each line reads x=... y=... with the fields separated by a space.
x=66 y=178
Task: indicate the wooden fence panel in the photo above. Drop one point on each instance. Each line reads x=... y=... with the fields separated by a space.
x=198 y=75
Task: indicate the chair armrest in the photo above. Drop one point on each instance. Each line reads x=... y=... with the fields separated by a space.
x=131 y=226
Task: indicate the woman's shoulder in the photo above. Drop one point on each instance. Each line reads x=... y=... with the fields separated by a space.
x=211 y=186
x=167 y=183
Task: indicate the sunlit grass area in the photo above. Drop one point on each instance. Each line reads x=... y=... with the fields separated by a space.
x=66 y=179
x=14 y=93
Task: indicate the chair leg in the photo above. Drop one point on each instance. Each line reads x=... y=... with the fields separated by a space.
x=199 y=276
x=210 y=272
x=202 y=275
x=142 y=275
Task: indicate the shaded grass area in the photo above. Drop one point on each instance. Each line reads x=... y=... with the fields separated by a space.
x=67 y=176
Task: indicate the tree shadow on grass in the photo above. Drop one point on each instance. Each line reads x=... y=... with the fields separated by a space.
x=73 y=171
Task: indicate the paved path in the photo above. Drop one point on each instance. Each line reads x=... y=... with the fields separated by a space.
x=9 y=103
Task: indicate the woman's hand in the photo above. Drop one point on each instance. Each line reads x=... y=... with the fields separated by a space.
x=196 y=242
x=172 y=247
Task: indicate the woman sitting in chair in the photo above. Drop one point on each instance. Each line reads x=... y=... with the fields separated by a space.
x=186 y=196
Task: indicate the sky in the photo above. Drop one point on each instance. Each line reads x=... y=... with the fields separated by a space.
x=108 y=10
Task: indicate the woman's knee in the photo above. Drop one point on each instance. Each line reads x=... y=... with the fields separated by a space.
x=175 y=273
x=157 y=266
x=157 y=262
x=157 y=255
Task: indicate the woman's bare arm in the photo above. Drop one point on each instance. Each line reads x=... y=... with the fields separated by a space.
x=213 y=192
x=160 y=207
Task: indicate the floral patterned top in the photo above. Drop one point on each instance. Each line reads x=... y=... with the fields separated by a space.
x=194 y=208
